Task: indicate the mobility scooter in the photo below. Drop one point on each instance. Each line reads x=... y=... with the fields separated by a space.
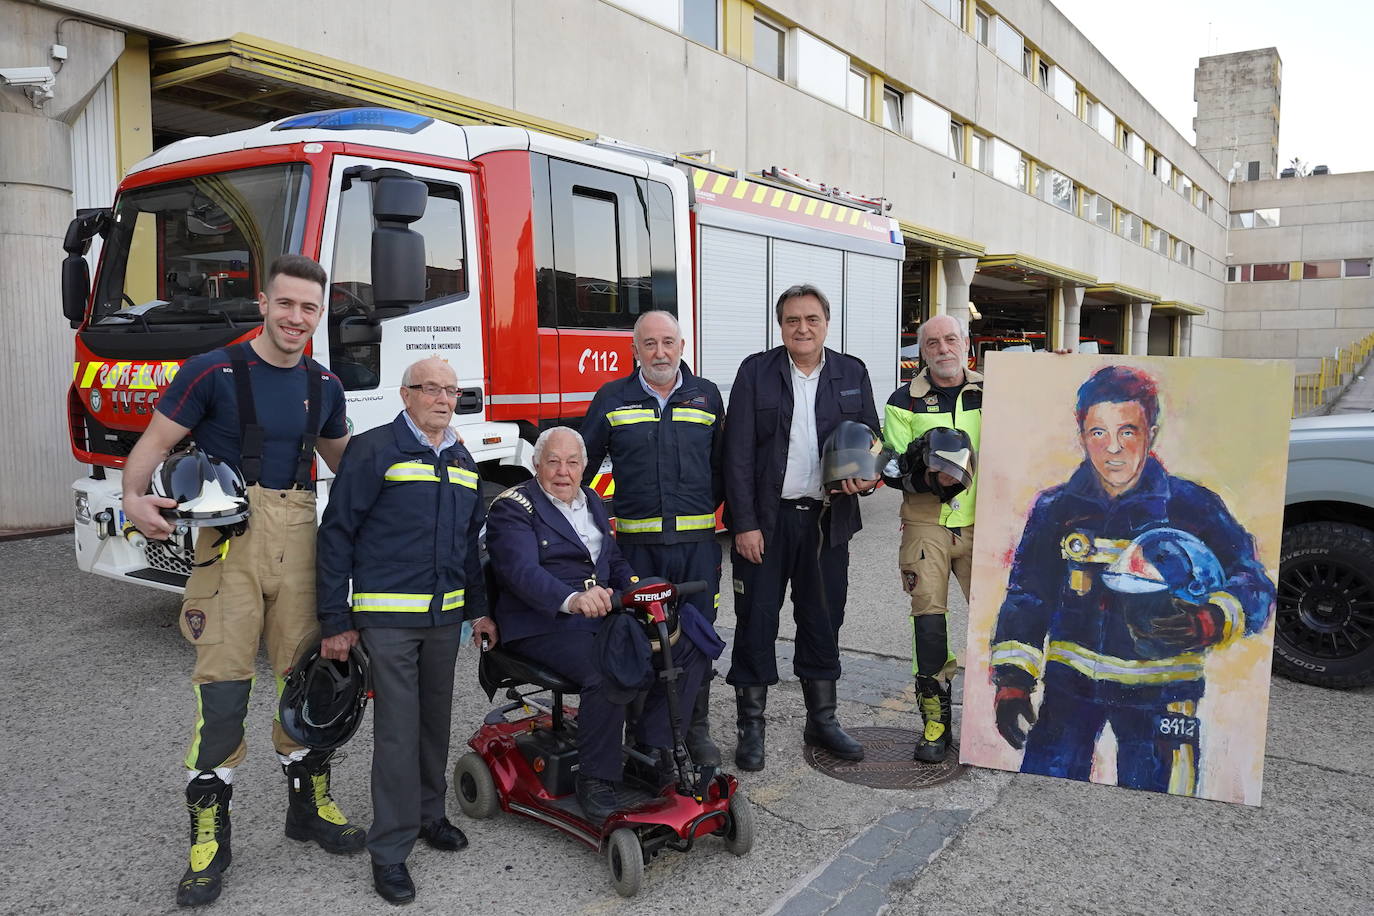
x=528 y=764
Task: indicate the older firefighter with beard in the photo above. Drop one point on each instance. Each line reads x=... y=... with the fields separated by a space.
x=937 y=511
x=662 y=428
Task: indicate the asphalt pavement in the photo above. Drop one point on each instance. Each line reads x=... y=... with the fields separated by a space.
x=99 y=713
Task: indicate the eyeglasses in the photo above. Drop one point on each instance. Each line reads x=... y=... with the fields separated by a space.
x=432 y=390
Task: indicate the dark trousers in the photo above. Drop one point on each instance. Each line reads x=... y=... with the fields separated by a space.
x=412 y=685
x=818 y=571
x=1062 y=739
x=601 y=723
x=680 y=563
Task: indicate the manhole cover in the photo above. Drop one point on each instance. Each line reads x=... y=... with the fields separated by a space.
x=887 y=762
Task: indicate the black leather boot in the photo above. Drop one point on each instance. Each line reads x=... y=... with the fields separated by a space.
x=311 y=815
x=936 y=709
x=699 y=744
x=207 y=801
x=750 y=703
x=821 y=728
x=597 y=797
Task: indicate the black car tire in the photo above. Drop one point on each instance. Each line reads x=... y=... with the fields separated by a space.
x=1324 y=621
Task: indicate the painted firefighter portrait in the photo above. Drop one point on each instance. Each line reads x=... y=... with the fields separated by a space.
x=1125 y=582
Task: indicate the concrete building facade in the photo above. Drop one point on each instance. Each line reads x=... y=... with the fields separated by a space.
x=1237 y=124
x=1040 y=194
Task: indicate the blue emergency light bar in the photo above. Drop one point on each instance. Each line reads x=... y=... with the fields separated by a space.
x=403 y=122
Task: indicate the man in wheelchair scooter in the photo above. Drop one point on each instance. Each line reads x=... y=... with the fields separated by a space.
x=557 y=567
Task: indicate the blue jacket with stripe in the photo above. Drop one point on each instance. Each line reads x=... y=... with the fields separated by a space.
x=667 y=462
x=404 y=525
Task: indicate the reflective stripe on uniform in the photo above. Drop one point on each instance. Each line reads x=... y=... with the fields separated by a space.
x=627 y=415
x=411 y=471
x=692 y=415
x=1183 y=766
x=463 y=477
x=1019 y=655
x=1186 y=667
x=654 y=525
x=404 y=602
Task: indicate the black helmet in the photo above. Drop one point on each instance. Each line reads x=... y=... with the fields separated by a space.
x=322 y=701
x=943 y=449
x=852 y=451
x=208 y=491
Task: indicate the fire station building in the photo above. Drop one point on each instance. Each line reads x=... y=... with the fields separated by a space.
x=1040 y=196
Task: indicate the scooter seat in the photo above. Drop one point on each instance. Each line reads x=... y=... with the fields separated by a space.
x=500 y=668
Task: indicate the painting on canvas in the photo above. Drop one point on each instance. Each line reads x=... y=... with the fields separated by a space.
x=1125 y=558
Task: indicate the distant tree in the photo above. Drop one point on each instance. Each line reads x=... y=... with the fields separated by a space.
x=1299 y=167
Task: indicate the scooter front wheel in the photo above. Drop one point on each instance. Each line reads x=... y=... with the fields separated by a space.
x=739 y=836
x=473 y=785
x=625 y=858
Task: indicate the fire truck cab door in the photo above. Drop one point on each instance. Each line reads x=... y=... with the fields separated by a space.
x=368 y=351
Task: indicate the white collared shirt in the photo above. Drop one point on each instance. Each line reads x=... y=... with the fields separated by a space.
x=649 y=389
x=580 y=517
x=450 y=436
x=803 y=475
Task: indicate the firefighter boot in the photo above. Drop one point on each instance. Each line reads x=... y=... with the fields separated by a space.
x=822 y=729
x=750 y=703
x=207 y=801
x=699 y=744
x=936 y=710
x=311 y=814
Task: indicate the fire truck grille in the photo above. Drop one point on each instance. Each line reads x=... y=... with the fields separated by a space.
x=159 y=557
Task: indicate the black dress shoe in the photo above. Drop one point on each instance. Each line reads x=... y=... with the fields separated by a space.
x=393 y=882
x=441 y=834
x=597 y=798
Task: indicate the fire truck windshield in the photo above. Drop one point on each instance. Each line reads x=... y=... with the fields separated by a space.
x=195 y=252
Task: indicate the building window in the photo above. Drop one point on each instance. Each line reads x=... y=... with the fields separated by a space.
x=856 y=93
x=1105 y=123
x=980 y=26
x=1239 y=273
x=929 y=124
x=980 y=155
x=1063 y=88
x=1267 y=218
x=1006 y=159
x=1277 y=271
x=1131 y=144
x=1008 y=43
x=1321 y=270
x=956 y=141
x=1131 y=227
x=821 y=70
x=892 y=110
x=1097 y=209
x=1185 y=186
x=952 y=10
x=695 y=19
x=1158 y=240
x=1202 y=200
x=1042 y=76
x=1061 y=191
x=1164 y=170
x=1357 y=267
x=770 y=48
x=1183 y=253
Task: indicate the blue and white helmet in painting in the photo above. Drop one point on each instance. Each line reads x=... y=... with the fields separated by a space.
x=1166 y=560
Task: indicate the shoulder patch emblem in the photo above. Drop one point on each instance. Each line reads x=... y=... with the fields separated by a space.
x=517 y=494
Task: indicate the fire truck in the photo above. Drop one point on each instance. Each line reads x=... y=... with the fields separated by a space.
x=521 y=259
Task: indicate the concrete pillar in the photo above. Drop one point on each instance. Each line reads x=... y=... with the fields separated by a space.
x=955 y=276
x=35 y=208
x=1140 y=328
x=1072 y=301
x=1185 y=335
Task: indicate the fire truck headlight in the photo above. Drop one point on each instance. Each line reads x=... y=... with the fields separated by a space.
x=83 y=507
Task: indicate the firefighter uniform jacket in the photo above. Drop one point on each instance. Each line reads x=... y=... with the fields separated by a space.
x=1059 y=620
x=404 y=525
x=539 y=560
x=758 y=428
x=913 y=410
x=666 y=462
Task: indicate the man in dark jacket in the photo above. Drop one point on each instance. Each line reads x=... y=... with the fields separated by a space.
x=785 y=403
x=557 y=565
x=662 y=427
x=403 y=523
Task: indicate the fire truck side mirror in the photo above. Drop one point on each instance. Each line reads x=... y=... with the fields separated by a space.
x=76 y=274
x=398 y=252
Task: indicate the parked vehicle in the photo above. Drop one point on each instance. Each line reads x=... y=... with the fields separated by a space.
x=1324 y=625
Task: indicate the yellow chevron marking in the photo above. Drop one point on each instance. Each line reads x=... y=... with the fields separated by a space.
x=760 y=193
x=778 y=198
x=720 y=184
x=741 y=189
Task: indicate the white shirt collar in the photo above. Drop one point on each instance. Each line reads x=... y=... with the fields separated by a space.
x=450 y=437
x=815 y=373
x=662 y=400
x=578 y=503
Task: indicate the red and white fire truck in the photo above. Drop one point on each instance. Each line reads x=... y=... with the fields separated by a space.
x=538 y=255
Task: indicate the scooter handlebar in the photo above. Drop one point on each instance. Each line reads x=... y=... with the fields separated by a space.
x=680 y=591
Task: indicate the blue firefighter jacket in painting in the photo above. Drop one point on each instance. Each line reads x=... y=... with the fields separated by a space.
x=1060 y=622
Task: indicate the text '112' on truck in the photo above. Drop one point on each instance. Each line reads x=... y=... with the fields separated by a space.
x=521 y=259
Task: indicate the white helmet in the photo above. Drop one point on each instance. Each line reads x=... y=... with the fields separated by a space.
x=208 y=491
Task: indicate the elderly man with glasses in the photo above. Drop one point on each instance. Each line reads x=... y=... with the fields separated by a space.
x=403 y=524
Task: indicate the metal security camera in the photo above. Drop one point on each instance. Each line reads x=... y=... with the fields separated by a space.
x=36 y=82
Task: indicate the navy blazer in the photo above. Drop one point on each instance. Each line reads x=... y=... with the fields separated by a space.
x=538 y=560
x=758 y=425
